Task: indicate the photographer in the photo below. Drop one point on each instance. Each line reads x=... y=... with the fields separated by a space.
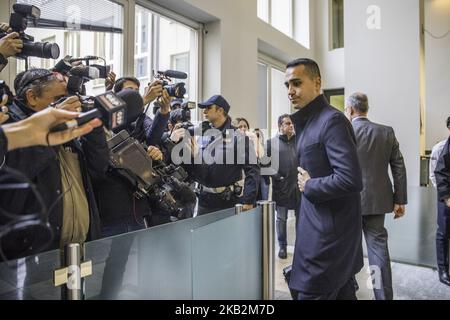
x=146 y=128
x=62 y=175
x=10 y=45
x=120 y=210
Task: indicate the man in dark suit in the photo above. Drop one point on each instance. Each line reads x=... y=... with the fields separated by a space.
x=442 y=174
x=328 y=251
x=378 y=149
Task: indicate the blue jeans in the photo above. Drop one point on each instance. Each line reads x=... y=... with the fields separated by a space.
x=282 y=215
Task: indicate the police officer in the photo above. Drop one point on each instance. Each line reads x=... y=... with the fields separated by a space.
x=228 y=173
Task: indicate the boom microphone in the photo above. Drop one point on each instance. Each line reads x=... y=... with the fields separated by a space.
x=87 y=58
x=175 y=74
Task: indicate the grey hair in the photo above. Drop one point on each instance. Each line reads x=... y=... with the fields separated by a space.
x=359 y=102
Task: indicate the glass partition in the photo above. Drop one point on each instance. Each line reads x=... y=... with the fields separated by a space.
x=227 y=258
x=216 y=256
x=412 y=239
x=148 y=264
x=30 y=278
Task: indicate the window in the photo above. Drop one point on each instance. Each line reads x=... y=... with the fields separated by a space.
x=336 y=98
x=263 y=10
x=278 y=13
x=79 y=43
x=290 y=17
x=272 y=95
x=337 y=24
x=282 y=17
x=162 y=44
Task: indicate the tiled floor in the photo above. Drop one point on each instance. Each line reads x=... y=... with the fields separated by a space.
x=409 y=282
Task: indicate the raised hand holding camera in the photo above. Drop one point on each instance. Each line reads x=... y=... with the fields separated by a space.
x=10 y=45
x=70 y=104
x=153 y=91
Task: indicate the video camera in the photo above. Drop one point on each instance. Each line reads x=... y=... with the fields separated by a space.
x=162 y=184
x=182 y=114
x=116 y=110
x=176 y=90
x=18 y=22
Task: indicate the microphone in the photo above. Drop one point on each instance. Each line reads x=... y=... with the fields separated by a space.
x=134 y=106
x=175 y=74
x=87 y=58
x=108 y=107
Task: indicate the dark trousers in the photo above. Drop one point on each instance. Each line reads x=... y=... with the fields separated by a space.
x=347 y=292
x=210 y=202
x=376 y=237
x=282 y=216
x=443 y=236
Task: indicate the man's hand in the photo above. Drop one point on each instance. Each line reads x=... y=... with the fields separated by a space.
x=152 y=92
x=164 y=100
x=35 y=130
x=247 y=207
x=5 y=27
x=3 y=112
x=10 y=45
x=70 y=104
x=110 y=81
x=399 y=211
x=178 y=135
x=303 y=177
x=155 y=153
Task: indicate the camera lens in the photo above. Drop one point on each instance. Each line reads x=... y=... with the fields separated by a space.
x=44 y=50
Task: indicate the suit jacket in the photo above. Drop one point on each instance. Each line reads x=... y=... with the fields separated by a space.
x=328 y=249
x=378 y=149
x=442 y=173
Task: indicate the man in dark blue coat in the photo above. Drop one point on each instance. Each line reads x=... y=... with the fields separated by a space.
x=328 y=251
x=442 y=174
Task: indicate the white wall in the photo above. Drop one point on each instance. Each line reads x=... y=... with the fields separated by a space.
x=385 y=64
x=332 y=63
x=437 y=62
x=231 y=52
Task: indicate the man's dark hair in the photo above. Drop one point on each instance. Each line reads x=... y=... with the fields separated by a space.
x=33 y=79
x=118 y=86
x=448 y=122
x=281 y=118
x=17 y=80
x=311 y=67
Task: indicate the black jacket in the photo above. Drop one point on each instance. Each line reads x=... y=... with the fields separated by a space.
x=41 y=166
x=328 y=249
x=442 y=172
x=217 y=175
x=285 y=191
x=114 y=194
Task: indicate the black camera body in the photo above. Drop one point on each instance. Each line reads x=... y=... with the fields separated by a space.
x=164 y=185
x=175 y=90
x=2 y=89
x=18 y=22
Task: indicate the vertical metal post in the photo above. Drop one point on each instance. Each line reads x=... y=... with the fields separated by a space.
x=73 y=290
x=238 y=209
x=268 y=214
